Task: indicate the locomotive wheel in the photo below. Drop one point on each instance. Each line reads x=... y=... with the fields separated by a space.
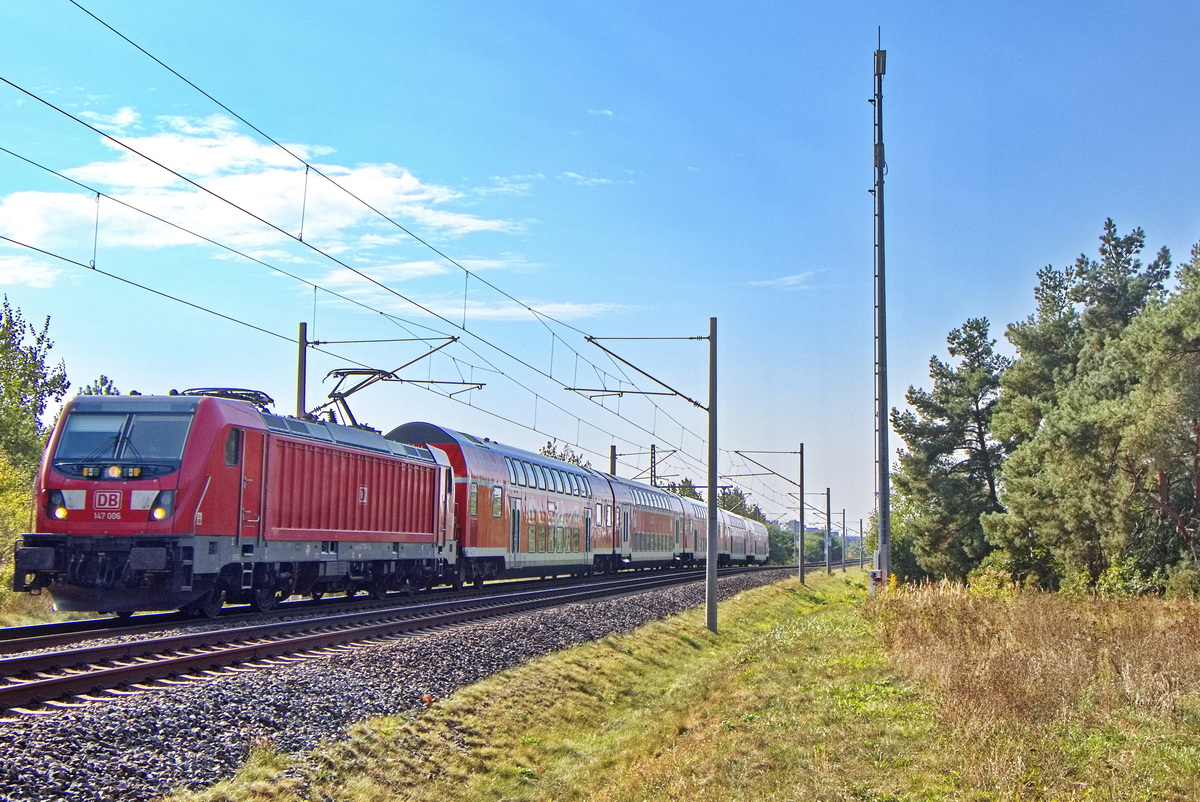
x=207 y=606
x=263 y=599
x=210 y=605
x=379 y=588
x=406 y=587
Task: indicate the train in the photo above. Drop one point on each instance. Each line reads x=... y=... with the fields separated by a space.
x=200 y=498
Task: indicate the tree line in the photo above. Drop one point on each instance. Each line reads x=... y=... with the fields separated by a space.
x=1074 y=463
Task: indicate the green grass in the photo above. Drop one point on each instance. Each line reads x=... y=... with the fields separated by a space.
x=797 y=699
x=792 y=700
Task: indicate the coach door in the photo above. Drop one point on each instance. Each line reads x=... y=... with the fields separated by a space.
x=587 y=529
x=514 y=527
x=253 y=456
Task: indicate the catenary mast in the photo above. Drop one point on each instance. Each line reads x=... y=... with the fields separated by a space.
x=883 y=555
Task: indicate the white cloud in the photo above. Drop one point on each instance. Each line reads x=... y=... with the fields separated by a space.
x=116 y=123
x=601 y=113
x=28 y=272
x=347 y=281
x=257 y=177
x=584 y=180
x=796 y=281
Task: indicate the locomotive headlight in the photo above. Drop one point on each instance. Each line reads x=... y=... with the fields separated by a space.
x=56 y=505
x=113 y=472
x=163 y=506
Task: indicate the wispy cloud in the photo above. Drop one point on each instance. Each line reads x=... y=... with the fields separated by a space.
x=586 y=181
x=259 y=178
x=796 y=281
x=27 y=272
x=117 y=123
x=601 y=113
x=511 y=185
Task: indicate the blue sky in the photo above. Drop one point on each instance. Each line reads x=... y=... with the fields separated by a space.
x=626 y=169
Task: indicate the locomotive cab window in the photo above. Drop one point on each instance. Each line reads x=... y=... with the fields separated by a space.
x=473 y=499
x=233 y=447
x=151 y=441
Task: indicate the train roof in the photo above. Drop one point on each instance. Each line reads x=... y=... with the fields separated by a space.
x=134 y=403
x=434 y=435
x=323 y=431
x=344 y=435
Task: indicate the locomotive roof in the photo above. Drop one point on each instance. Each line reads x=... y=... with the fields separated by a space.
x=133 y=403
x=343 y=435
x=323 y=431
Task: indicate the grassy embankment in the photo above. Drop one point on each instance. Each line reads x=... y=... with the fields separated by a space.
x=978 y=695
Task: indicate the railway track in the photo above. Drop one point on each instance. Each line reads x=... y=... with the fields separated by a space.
x=94 y=673
x=14 y=640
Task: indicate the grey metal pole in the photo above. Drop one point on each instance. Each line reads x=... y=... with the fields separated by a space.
x=612 y=460
x=301 y=369
x=800 y=554
x=710 y=569
x=845 y=541
x=862 y=541
x=881 y=412
x=828 y=535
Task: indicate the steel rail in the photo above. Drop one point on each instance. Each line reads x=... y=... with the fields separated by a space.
x=99 y=668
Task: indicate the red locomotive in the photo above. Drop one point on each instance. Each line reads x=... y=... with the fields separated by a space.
x=188 y=501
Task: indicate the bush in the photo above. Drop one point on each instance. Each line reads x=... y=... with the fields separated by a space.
x=1125 y=578
x=1183 y=580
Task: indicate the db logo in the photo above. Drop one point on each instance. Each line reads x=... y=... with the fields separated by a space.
x=106 y=500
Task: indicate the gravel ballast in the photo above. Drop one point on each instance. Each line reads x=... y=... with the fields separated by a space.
x=142 y=746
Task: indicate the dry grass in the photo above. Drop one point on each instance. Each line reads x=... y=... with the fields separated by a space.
x=1050 y=697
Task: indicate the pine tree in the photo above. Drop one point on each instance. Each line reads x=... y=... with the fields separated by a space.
x=948 y=473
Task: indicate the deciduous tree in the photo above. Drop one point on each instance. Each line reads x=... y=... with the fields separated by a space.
x=28 y=384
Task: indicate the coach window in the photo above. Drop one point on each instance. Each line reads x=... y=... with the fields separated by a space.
x=512 y=471
x=473 y=499
x=543 y=475
x=233 y=446
x=558 y=482
x=572 y=480
x=497 y=501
